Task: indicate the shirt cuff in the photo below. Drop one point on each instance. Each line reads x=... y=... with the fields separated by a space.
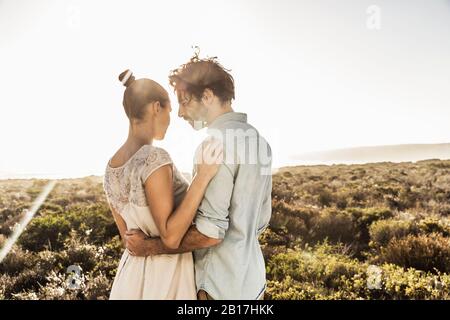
x=209 y=228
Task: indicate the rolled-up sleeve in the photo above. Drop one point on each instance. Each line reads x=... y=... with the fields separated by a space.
x=212 y=218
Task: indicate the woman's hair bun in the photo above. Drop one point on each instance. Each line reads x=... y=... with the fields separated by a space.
x=126 y=78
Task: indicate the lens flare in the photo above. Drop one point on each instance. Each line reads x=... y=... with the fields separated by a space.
x=20 y=227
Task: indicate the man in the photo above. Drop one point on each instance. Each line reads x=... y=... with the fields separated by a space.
x=237 y=205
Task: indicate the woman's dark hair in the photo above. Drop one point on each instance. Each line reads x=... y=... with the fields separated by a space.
x=139 y=93
x=200 y=74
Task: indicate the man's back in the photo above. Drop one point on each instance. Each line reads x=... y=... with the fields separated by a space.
x=236 y=208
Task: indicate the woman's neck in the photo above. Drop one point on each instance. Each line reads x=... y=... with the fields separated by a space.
x=138 y=138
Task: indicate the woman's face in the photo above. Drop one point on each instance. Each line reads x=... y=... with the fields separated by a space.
x=161 y=121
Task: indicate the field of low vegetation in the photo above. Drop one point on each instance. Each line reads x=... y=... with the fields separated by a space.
x=372 y=231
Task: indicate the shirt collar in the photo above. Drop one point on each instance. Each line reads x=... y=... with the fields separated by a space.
x=229 y=116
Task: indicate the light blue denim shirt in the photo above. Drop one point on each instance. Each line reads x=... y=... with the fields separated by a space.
x=236 y=208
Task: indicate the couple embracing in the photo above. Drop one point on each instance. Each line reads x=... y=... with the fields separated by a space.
x=196 y=240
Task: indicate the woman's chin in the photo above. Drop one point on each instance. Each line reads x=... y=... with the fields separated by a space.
x=159 y=137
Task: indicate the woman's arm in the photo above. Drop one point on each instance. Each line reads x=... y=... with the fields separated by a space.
x=173 y=224
x=139 y=244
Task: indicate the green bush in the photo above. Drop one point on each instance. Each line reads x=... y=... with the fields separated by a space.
x=93 y=220
x=290 y=219
x=363 y=218
x=325 y=198
x=269 y=237
x=290 y=289
x=382 y=231
x=316 y=273
x=52 y=229
x=401 y=284
x=49 y=207
x=323 y=272
x=49 y=231
x=434 y=225
x=424 y=252
x=334 y=225
x=323 y=263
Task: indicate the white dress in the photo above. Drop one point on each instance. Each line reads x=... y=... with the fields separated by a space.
x=154 y=277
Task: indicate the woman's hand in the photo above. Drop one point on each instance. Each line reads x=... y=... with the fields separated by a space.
x=173 y=224
x=209 y=158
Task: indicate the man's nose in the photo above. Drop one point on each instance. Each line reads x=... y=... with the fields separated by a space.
x=180 y=112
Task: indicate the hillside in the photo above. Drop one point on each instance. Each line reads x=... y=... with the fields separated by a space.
x=373 y=231
x=393 y=153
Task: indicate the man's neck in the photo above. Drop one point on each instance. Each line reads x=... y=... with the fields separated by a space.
x=217 y=113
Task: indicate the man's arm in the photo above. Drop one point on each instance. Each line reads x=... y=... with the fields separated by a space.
x=211 y=222
x=141 y=245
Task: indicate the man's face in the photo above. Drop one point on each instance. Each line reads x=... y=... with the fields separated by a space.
x=191 y=110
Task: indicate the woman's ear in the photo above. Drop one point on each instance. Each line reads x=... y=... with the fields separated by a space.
x=158 y=107
x=155 y=107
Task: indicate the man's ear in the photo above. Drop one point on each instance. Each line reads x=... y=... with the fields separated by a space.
x=208 y=96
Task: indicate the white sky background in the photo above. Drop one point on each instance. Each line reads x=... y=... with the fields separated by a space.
x=310 y=74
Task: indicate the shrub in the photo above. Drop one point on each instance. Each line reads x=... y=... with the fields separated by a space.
x=318 y=273
x=424 y=252
x=333 y=225
x=290 y=289
x=6 y=283
x=434 y=225
x=55 y=288
x=400 y=284
x=49 y=207
x=94 y=220
x=98 y=287
x=16 y=261
x=28 y=279
x=369 y=215
x=273 y=238
x=324 y=273
x=363 y=218
x=78 y=252
x=382 y=231
x=325 y=198
x=60 y=201
x=286 y=217
x=323 y=262
x=49 y=231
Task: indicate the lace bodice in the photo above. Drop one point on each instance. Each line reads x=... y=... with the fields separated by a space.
x=125 y=184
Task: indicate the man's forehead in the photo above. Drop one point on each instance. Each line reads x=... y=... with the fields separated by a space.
x=181 y=94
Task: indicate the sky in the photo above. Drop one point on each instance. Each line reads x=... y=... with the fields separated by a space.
x=311 y=75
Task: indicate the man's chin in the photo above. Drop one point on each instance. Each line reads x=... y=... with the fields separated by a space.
x=197 y=125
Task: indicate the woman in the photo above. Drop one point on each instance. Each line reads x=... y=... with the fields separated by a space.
x=146 y=191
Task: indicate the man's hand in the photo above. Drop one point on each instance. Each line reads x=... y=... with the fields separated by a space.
x=140 y=245
x=136 y=244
